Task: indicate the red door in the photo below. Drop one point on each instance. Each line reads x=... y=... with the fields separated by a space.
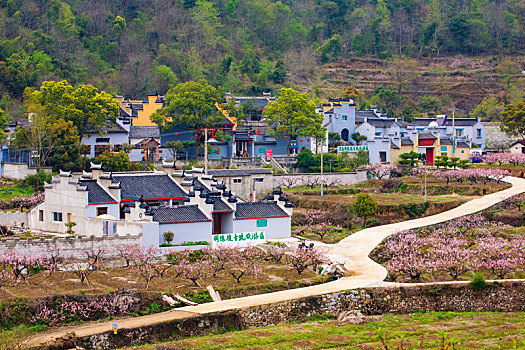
x=217 y=223
x=430 y=156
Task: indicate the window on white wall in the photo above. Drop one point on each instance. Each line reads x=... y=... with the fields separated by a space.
x=57 y=216
x=41 y=215
x=478 y=133
x=237 y=181
x=345 y=117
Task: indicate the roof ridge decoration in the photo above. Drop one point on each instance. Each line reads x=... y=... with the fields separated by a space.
x=64 y=173
x=95 y=166
x=167 y=164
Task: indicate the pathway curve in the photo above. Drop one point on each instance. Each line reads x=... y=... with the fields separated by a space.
x=354 y=250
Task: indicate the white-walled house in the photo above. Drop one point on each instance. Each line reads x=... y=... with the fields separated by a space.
x=190 y=204
x=109 y=138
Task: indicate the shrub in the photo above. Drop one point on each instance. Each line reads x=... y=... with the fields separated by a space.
x=168 y=236
x=365 y=206
x=478 y=282
x=31 y=179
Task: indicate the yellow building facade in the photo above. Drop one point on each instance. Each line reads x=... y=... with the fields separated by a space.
x=433 y=145
x=141 y=110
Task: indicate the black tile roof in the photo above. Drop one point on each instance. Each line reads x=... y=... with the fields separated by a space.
x=461 y=122
x=221 y=207
x=256 y=210
x=448 y=122
x=463 y=144
x=144 y=132
x=110 y=127
x=405 y=141
x=239 y=172
x=445 y=141
x=179 y=214
x=254 y=102
x=381 y=122
x=393 y=145
x=426 y=136
x=151 y=186
x=243 y=137
x=96 y=194
x=366 y=113
x=422 y=121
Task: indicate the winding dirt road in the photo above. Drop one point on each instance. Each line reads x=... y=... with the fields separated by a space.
x=353 y=251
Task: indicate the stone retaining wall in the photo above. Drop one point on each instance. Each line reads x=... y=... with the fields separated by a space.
x=69 y=246
x=13 y=218
x=329 y=179
x=506 y=297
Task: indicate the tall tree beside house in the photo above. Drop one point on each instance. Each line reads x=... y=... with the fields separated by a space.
x=293 y=114
x=84 y=106
x=513 y=118
x=365 y=206
x=190 y=104
x=51 y=142
x=3 y=124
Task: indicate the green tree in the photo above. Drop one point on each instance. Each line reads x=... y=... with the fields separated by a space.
x=488 y=110
x=190 y=104
x=513 y=118
x=305 y=159
x=410 y=158
x=114 y=161
x=365 y=206
x=293 y=114
x=84 y=106
x=174 y=147
x=3 y=124
x=353 y=93
x=430 y=105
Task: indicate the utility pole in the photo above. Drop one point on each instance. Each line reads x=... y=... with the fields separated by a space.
x=453 y=132
x=206 y=151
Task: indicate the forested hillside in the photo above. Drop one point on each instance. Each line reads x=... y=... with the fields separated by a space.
x=131 y=47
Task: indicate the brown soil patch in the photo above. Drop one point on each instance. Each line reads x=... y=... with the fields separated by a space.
x=508 y=326
x=338 y=338
x=261 y=333
x=305 y=344
x=222 y=340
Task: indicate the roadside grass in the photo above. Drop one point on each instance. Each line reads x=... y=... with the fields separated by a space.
x=8 y=192
x=467 y=330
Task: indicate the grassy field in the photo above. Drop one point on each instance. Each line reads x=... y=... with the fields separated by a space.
x=8 y=191
x=414 y=331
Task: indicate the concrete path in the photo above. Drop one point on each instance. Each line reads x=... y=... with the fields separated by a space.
x=353 y=251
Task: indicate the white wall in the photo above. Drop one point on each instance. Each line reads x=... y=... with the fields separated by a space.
x=18 y=171
x=276 y=228
x=114 y=139
x=10 y=218
x=227 y=223
x=113 y=210
x=244 y=189
x=187 y=232
x=74 y=247
x=331 y=179
x=64 y=198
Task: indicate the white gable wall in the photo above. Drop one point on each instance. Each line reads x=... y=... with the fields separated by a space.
x=276 y=228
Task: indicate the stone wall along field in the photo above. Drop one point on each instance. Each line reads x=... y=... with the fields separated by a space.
x=504 y=297
x=68 y=246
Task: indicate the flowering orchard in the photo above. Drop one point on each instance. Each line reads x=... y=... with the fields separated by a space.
x=379 y=171
x=472 y=175
x=460 y=248
x=504 y=158
x=150 y=265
